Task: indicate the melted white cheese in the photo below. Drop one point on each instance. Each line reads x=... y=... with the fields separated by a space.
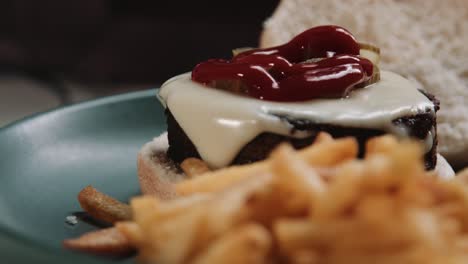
x=220 y=123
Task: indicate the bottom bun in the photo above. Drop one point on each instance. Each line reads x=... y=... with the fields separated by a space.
x=157 y=173
x=443 y=168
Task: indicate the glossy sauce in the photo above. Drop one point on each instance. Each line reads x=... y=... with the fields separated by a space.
x=280 y=73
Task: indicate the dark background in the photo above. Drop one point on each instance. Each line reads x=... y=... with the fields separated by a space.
x=115 y=42
x=59 y=52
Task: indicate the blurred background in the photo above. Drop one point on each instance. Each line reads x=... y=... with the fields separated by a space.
x=55 y=52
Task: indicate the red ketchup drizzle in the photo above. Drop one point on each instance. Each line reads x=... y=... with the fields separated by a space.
x=277 y=74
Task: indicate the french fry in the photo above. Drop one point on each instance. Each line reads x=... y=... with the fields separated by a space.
x=172 y=208
x=193 y=167
x=220 y=179
x=295 y=179
x=323 y=137
x=148 y=209
x=337 y=151
x=304 y=257
x=297 y=172
x=390 y=257
x=462 y=176
x=131 y=231
x=250 y=243
x=316 y=205
x=424 y=227
x=236 y=205
x=107 y=241
x=345 y=188
x=379 y=167
x=200 y=219
x=144 y=209
x=330 y=153
x=407 y=160
x=381 y=144
x=293 y=234
x=102 y=206
x=176 y=239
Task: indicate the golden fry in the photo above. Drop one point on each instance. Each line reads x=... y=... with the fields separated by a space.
x=337 y=151
x=193 y=167
x=323 y=137
x=246 y=244
x=246 y=200
x=382 y=144
x=316 y=205
x=131 y=231
x=330 y=153
x=107 y=241
x=174 y=240
x=293 y=234
x=295 y=176
x=304 y=257
x=149 y=209
x=102 y=206
x=220 y=179
x=462 y=176
x=345 y=189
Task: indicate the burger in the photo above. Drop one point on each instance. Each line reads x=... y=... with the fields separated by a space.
x=236 y=111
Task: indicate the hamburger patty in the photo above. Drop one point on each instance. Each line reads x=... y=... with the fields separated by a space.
x=419 y=126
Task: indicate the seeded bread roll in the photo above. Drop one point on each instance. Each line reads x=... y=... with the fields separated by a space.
x=423 y=40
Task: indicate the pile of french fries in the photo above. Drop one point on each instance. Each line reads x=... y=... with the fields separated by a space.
x=316 y=205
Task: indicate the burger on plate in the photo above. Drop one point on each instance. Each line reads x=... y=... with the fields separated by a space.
x=236 y=111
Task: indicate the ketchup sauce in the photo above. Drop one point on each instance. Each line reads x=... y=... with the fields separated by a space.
x=283 y=73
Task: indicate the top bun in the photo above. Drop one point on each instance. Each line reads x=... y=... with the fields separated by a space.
x=425 y=41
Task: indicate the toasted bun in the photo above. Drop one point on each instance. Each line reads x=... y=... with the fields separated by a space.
x=157 y=173
x=443 y=168
x=424 y=40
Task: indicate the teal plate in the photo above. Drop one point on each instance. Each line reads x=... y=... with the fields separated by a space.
x=45 y=160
